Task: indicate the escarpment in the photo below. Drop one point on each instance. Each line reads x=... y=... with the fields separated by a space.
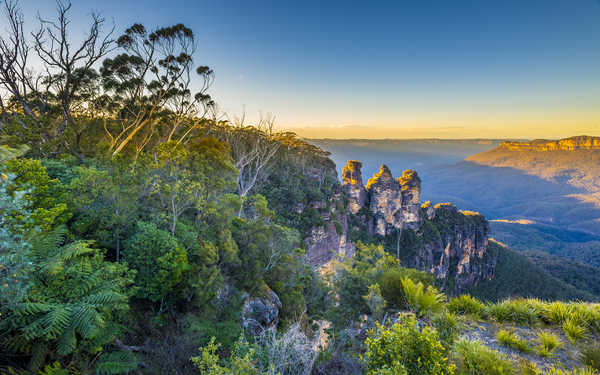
x=568 y=144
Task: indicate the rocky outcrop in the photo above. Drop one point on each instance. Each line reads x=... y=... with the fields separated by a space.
x=568 y=144
x=261 y=313
x=329 y=240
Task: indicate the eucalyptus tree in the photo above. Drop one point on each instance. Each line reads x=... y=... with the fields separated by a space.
x=190 y=177
x=252 y=149
x=151 y=87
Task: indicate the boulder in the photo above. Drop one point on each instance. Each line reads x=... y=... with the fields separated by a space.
x=261 y=313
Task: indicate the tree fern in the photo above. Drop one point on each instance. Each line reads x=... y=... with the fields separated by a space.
x=72 y=296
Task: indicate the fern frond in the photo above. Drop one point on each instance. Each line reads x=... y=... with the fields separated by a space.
x=31 y=308
x=83 y=319
x=38 y=356
x=74 y=250
x=33 y=330
x=45 y=245
x=66 y=342
x=116 y=363
x=103 y=298
x=65 y=254
x=56 y=321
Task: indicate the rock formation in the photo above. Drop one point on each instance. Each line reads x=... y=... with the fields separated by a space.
x=410 y=184
x=439 y=239
x=385 y=201
x=261 y=313
x=353 y=186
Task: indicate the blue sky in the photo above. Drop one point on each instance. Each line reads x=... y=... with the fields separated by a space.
x=478 y=68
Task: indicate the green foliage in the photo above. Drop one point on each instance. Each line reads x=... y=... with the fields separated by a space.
x=515 y=311
x=159 y=260
x=515 y=276
x=474 y=358
x=116 y=363
x=590 y=356
x=14 y=265
x=576 y=371
x=191 y=177
x=404 y=346
x=8 y=153
x=510 y=339
x=447 y=326
x=46 y=195
x=574 y=330
x=375 y=301
x=352 y=279
x=391 y=284
x=73 y=302
x=548 y=342
x=467 y=305
x=209 y=363
x=54 y=369
x=422 y=301
x=105 y=204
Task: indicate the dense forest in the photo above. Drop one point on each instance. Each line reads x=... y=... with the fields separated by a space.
x=142 y=231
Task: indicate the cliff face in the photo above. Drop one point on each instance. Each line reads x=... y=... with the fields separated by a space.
x=463 y=236
x=568 y=144
x=439 y=239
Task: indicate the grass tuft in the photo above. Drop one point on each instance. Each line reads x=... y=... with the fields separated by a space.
x=510 y=339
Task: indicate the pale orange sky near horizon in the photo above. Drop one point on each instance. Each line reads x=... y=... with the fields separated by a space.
x=516 y=128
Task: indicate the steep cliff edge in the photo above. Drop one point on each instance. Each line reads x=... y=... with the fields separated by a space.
x=581 y=142
x=439 y=239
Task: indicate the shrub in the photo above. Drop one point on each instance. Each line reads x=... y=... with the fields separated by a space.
x=209 y=362
x=289 y=353
x=420 y=300
x=590 y=356
x=447 y=326
x=548 y=343
x=403 y=345
x=159 y=260
x=573 y=330
x=474 y=358
x=465 y=304
x=508 y=338
x=391 y=284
